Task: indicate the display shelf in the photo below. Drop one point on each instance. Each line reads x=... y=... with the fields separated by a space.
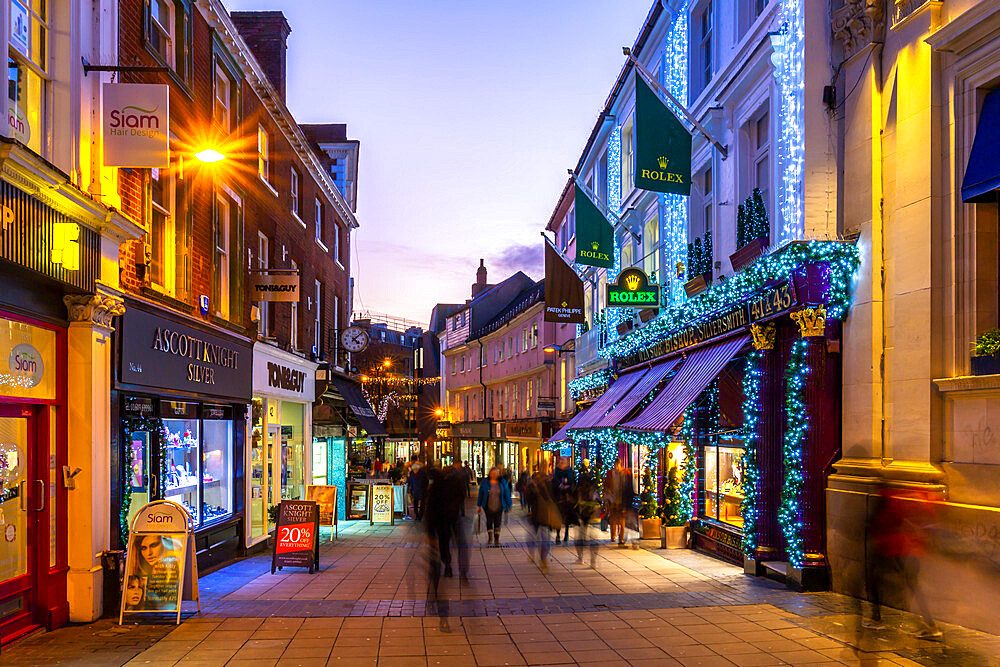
x=190 y=488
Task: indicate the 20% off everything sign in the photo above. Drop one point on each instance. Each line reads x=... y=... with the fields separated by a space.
x=296 y=542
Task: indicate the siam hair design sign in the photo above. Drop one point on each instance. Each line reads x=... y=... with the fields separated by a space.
x=135 y=125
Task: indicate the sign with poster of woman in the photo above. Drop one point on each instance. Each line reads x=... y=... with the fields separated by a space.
x=161 y=570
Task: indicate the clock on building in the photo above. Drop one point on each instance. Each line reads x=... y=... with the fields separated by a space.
x=354 y=339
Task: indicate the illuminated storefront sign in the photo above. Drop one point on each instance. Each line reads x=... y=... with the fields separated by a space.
x=632 y=290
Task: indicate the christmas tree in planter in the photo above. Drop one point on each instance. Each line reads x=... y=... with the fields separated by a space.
x=647 y=509
x=707 y=256
x=671 y=512
x=753 y=231
x=758 y=225
x=742 y=237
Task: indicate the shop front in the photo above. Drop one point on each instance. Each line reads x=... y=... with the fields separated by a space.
x=744 y=399
x=523 y=446
x=479 y=444
x=182 y=393
x=278 y=464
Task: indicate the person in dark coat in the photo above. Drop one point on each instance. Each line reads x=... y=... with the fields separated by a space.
x=445 y=498
x=417 y=483
x=541 y=508
x=521 y=486
x=564 y=493
x=587 y=504
x=494 y=499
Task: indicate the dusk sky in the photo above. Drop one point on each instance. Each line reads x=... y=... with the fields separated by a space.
x=468 y=113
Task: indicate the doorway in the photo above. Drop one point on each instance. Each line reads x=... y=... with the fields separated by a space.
x=24 y=521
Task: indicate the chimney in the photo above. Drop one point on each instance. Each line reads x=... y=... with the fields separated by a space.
x=266 y=33
x=480 y=284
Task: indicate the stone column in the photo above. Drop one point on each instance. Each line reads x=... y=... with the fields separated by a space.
x=89 y=427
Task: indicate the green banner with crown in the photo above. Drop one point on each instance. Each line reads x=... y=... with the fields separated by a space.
x=662 y=146
x=595 y=237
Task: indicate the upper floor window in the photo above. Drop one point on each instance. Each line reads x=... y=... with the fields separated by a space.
x=702 y=204
x=296 y=191
x=336 y=243
x=627 y=157
x=651 y=245
x=263 y=260
x=750 y=10
x=28 y=116
x=760 y=162
x=317 y=318
x=702 y=67
x=263 y=153
x=534 y=335
x=228 y=216
x=318 y=206
x=167 y=235
x=223 y=97
x=168 y=34
x=293 y=334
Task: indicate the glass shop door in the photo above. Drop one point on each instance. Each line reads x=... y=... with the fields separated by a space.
x=23 y=515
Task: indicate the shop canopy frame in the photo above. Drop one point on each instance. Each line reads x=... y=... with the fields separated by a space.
x=697 y=372
x=563 y=433
x=647 y=383
x=351 y=393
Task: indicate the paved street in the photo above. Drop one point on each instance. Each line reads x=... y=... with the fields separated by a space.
x=368 y=606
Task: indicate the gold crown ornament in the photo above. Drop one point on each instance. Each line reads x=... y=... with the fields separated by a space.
x=595 y=245
x=811 y=321
x=632 y=282
x=663 y=161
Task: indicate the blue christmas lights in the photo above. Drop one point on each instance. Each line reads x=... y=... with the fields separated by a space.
x=595 y=380
x=789 y=73
x=797 y=421
x=751 y=440
x=674 y=221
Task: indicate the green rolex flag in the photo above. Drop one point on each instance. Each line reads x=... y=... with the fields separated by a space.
x=662 y=146
x=595 y=237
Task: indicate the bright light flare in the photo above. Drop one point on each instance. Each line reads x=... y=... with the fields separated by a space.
x=210 y=155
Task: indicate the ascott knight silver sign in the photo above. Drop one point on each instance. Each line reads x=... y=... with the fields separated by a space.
x=274 y=287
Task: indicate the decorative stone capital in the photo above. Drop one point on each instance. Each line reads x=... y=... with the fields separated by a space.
x=763 y=335
x=858 y=23
x=97 y=309
x=811 y=321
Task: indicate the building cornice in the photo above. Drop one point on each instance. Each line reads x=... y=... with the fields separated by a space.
x=27 y=171
x=218 y=18
x=967 y=30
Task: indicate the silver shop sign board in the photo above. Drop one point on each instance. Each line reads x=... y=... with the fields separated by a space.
x=161 y=570
x=270 y=285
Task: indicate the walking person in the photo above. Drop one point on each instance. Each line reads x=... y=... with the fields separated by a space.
x=470 y=478
x=494 y=500
x=521 y=486
x=564 y=492
x=586 y=507
x=630 y=513
x=543 y=516
x=613 y=503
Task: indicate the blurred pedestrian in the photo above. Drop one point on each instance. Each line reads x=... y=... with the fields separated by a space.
x=521 y=486
x=898 y=530
x=564 y=492
x=543 y=516
x=460 y=478
x=494 y=500
x=418 y=483
x=613 y=503
x=470 y=477
x=586 y=507
x=630 y=513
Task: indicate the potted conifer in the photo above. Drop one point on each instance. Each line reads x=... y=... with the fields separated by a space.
x=753 y=231
x=647 y=510
x=986 y=353
x=699 y=269
x=673 y=531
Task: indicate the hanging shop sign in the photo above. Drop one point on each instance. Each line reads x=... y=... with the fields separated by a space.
x=382 y=505
x=595 y=236
x=136 y=125
x=772 y=302
x=278 y=373
x=36 y=236
x=167 y=354
x=161 y=570
x=20 y=28
x=563 y=290
x=274 y=286
x=632 y=290
x=357 y=500
x=296 y=536
x=27 y=361
x=662 y=146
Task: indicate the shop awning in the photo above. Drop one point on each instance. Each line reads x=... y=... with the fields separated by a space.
x=563 y=433
x=698 y=370
x=356 y=401
x=609 y=398
x=650 y=379
x=982 y=175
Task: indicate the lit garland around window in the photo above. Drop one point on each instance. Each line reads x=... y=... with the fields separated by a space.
x=153 y=426
x=789 y=72
x=399 y=381
x=843 y=260
x=797 y=422
x=751 y=440
x=596 y=380
x=688 y=476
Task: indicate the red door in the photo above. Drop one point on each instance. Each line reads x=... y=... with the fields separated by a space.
x=23 y=517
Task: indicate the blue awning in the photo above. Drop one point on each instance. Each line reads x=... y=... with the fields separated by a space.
x=982 y=175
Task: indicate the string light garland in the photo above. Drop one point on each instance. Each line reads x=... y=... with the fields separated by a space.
x=797 y=423
x=131 y=425
x=842 y=258
x=789 y=72
x=751 y=439
x=399 y=381
x=688 y=474
x=596 y=380
x=675 y=207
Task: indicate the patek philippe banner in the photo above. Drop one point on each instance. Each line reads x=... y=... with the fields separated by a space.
x=595 y=236
x=135 y=125
x=662 y=147
x=274 y=287
x=563 y=290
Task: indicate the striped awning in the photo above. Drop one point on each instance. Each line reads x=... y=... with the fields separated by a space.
x=609 y=398
x=698 y=370
x=639 y=391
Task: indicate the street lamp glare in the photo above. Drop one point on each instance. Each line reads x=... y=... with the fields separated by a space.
x=387 y=363
x=210 y=155
x=550 y=348
x=364 y=378
x=439 y=412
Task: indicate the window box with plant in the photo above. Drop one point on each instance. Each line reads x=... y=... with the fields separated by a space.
x=753 y=231
x=986 y=353
x=699 y=268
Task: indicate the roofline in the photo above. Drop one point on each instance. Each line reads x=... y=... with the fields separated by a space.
x=218 y=18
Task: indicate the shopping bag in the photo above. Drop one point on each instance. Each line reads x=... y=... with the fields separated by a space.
x=479 y=522
x=604 y=523
x=551 y=516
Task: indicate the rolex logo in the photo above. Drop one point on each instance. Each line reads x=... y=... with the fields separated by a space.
x=662 y=161
x=632 y=282
x=595 y=245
